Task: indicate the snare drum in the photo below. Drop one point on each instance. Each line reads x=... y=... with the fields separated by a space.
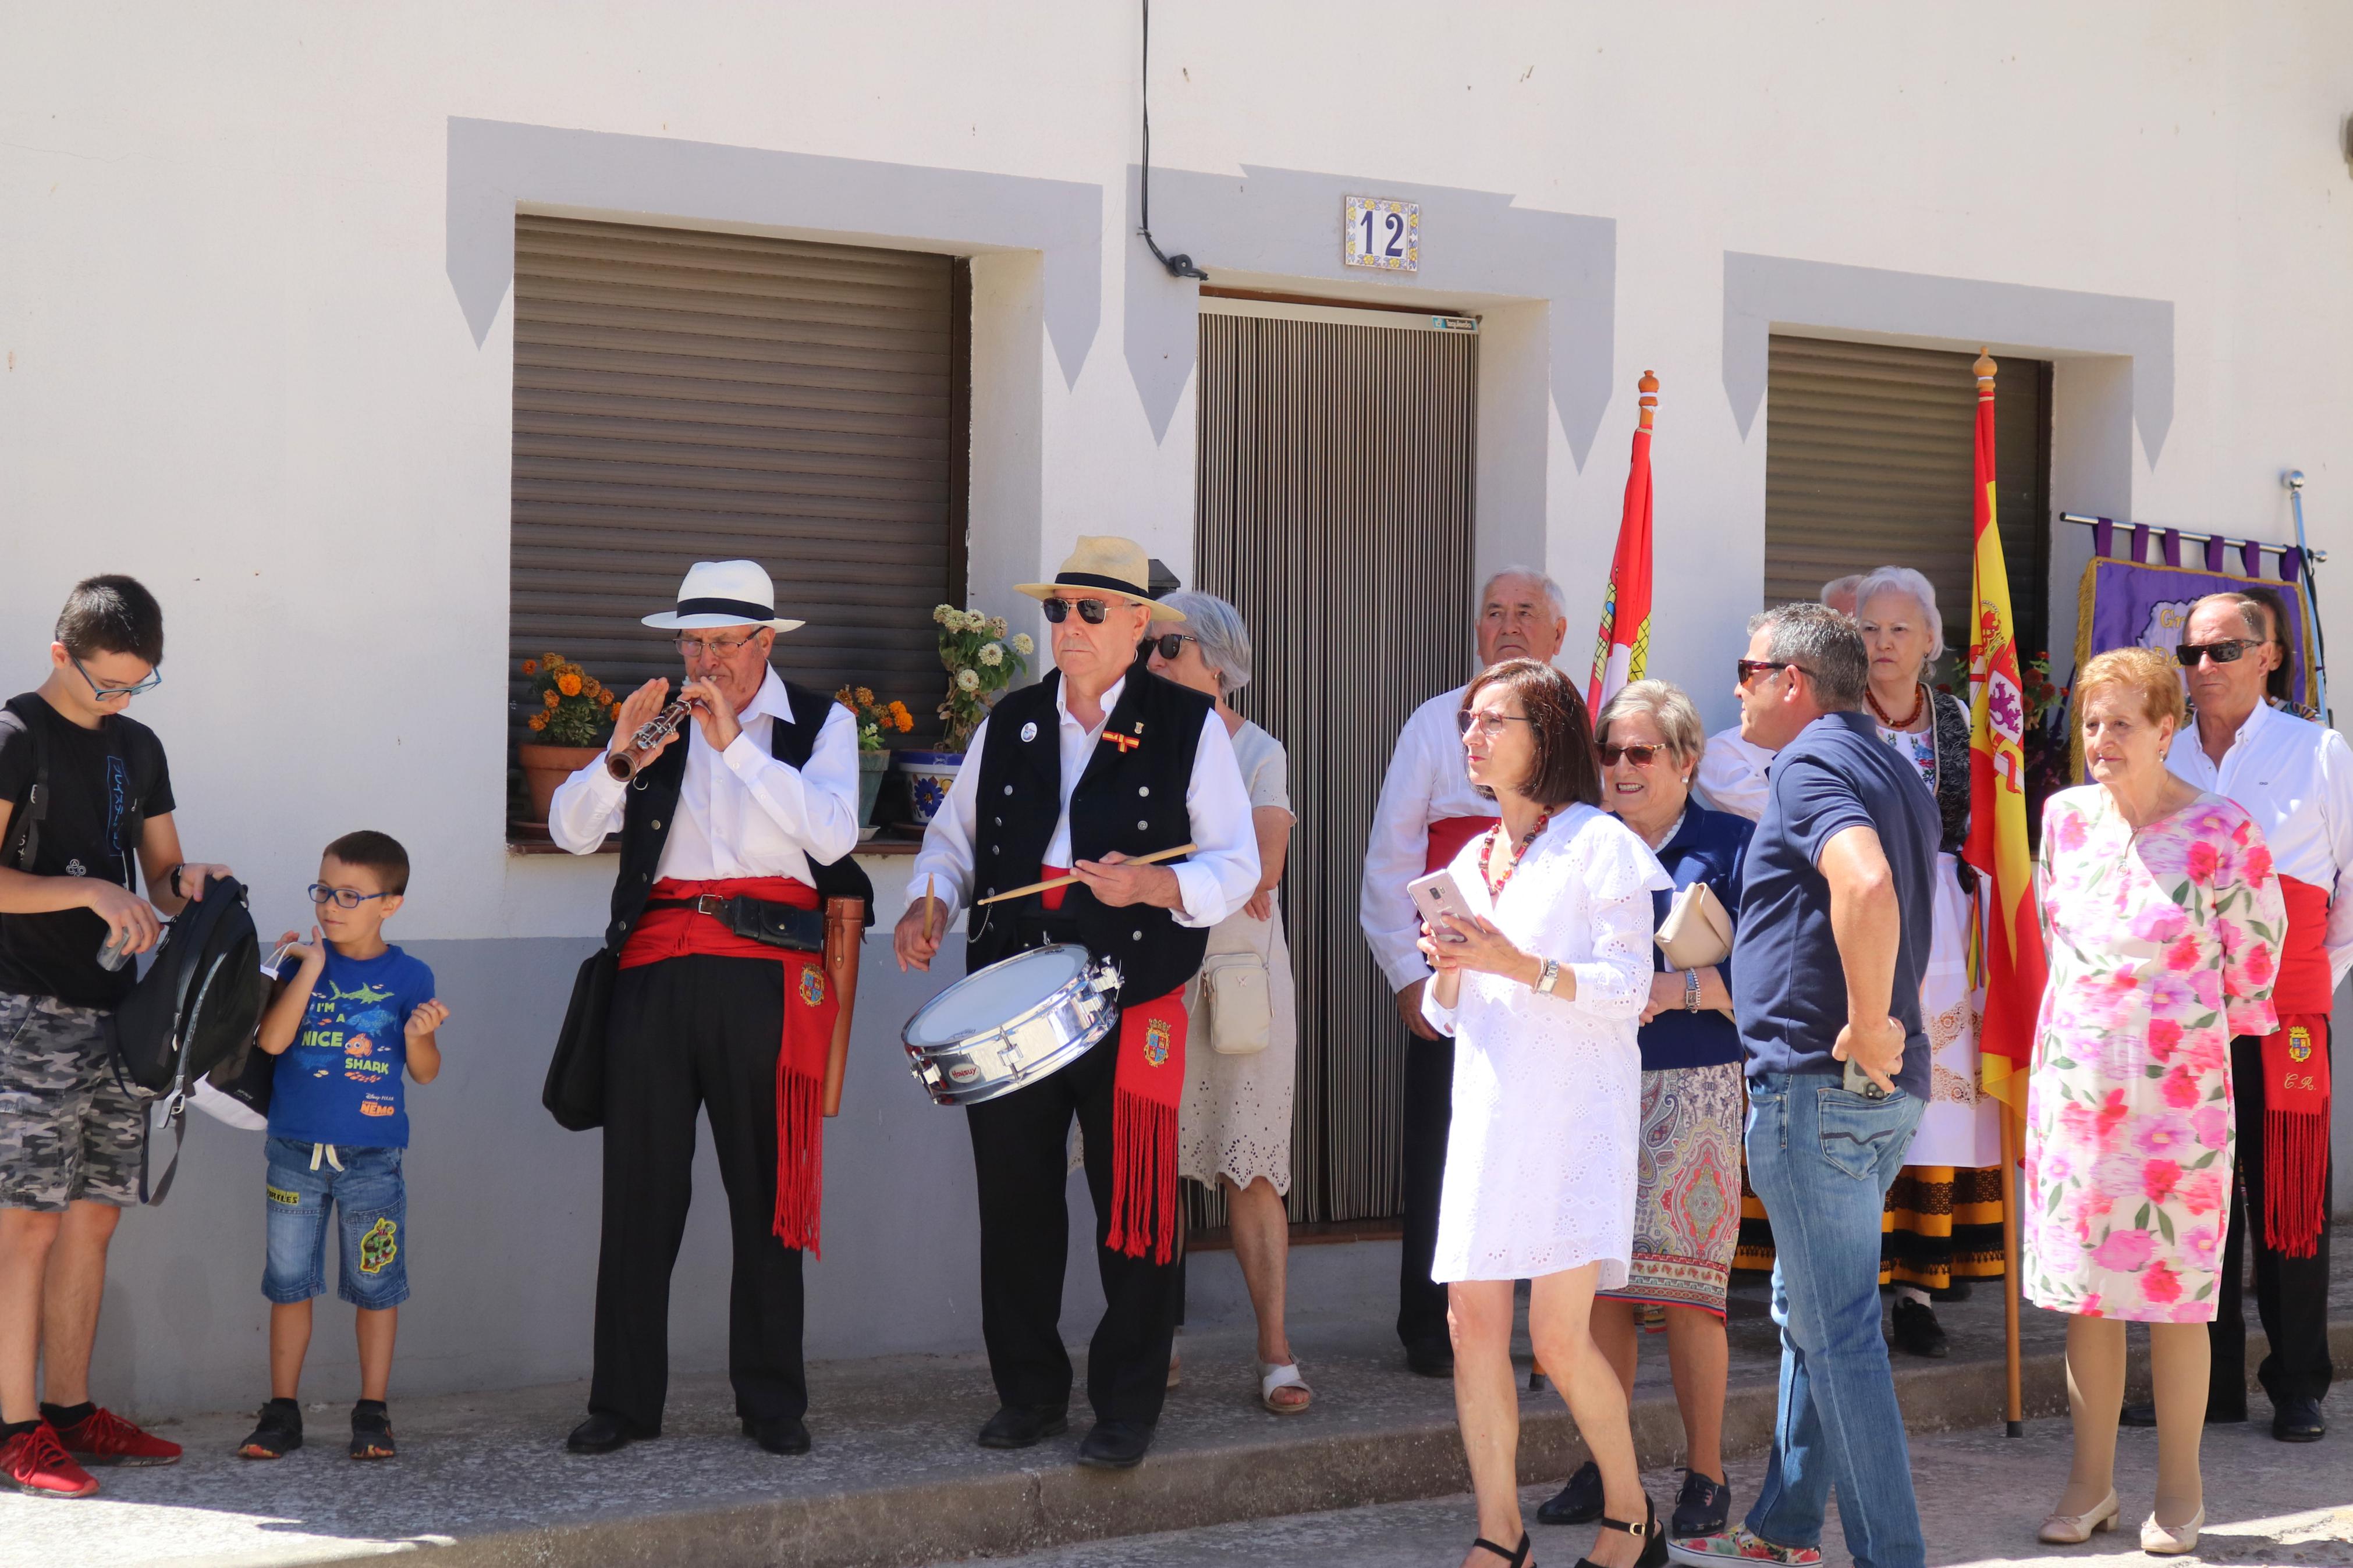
x=1011 y=1024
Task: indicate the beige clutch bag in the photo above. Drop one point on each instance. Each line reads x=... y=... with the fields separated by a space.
x=1697 y=931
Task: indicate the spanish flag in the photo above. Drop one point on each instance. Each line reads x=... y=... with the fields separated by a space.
x=1622 y=648
x=2012 y=961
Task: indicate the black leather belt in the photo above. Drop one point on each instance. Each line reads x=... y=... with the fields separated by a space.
x=772 y=925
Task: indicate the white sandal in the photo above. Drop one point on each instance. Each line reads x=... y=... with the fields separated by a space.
x=2074 y=1528
x=1271 y=1377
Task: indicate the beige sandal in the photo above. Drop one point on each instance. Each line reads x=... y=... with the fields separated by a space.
x=1273 y=1379
x=2074 y=1528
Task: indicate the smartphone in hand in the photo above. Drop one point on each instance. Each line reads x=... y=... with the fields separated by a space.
x=1435 y=895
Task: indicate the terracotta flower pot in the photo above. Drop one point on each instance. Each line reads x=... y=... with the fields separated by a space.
x=545 y=767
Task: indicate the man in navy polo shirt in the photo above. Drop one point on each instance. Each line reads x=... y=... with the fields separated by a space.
x=1834 y=921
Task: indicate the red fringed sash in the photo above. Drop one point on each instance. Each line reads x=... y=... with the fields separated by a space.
x=810 y=1008
x=1146 y=1085
x=2296 y=1078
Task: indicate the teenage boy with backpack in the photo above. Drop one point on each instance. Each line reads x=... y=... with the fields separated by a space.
x=83 y=790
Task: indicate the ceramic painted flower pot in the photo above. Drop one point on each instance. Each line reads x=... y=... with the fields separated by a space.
x=929 y=775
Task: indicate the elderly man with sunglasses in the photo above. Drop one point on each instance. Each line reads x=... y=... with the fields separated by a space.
x=2296 y=778
x=1082 y=775
x=744 y=816
x=1428 y=810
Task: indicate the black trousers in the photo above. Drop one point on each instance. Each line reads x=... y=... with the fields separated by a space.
x=1429 y=1113
x=1020 y=1146
x=684 y=1032
x=2291 y=1293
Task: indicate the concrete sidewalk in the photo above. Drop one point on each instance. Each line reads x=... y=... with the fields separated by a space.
x=895 y=1478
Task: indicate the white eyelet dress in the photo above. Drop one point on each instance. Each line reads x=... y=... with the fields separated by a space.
x=1541 y=1157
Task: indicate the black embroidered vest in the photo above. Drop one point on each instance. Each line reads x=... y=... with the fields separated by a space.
x=1131 y=798
x=653 y=804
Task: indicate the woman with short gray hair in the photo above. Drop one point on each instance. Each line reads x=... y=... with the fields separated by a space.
x=1233 y=1127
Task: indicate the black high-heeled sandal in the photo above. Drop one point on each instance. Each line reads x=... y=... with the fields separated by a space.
x=1653 y=1540
x=1516 y=1559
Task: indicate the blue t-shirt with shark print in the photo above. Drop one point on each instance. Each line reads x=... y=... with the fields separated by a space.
x=339 y=1081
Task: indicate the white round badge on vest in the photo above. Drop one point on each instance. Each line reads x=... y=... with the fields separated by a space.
x=1029 y=730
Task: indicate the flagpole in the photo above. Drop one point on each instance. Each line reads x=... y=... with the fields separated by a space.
x=2013 y=1400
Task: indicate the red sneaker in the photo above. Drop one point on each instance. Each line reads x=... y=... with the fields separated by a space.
x=35 y=1462
x=102 y=1437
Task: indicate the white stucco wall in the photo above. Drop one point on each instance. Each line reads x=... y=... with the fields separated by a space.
x=236 y=362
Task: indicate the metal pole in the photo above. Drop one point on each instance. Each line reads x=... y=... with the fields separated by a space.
x=2293 y=480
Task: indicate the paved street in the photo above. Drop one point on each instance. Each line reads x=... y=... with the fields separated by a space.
x=1982 y=1497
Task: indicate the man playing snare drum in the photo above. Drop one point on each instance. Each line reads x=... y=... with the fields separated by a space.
x=1090 y=769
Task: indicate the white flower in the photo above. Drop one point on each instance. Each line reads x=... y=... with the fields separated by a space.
x=996 y=626
x=968 y=680
x=967 y=620
x=941 y=612
x=1022 y=644
x=992 y=653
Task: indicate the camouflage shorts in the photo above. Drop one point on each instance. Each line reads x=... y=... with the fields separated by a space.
x=68 y=1129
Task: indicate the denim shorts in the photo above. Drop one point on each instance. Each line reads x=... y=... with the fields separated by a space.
x=371 y=1208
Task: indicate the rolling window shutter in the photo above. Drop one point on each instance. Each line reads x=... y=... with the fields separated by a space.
x=684 y=397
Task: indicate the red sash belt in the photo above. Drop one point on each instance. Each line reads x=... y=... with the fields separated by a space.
x=810 y=1008
x=1448 y=834
x=2296 y=1078
x=1147 y=1082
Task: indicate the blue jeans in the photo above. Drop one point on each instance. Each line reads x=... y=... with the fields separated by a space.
x=367 y=1198
x=1823 y=1159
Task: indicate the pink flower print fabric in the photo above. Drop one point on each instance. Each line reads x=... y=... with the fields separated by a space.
x=2163 y=943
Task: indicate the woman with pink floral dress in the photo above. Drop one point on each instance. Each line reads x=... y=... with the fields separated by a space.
x=2162 y=920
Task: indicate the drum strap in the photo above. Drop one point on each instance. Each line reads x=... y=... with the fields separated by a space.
x=674 y=928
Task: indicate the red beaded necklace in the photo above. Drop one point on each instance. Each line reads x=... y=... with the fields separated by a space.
x=1487 y=853
x=1919 y=701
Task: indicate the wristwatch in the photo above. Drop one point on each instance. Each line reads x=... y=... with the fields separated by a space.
x=1550 y=977
x=1690 y=990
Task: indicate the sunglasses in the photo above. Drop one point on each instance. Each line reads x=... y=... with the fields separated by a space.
x=1169 y=645
x=1091 y=611
x=108 y=693
x=1640 y=756
x=1749 y=668
x=2227 y=652
x=343 y=897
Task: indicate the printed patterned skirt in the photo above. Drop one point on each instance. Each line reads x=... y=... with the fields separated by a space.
x=1688 y=1177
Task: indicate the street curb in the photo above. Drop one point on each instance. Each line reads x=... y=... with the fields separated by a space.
x=905 y=1525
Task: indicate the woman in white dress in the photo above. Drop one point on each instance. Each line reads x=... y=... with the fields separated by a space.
x=1542 y=985
x=1233 y=1127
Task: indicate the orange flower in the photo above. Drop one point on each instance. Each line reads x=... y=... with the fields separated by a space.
x=568 y=683
x=531 y=666
x=549 y=697
x=539 y=722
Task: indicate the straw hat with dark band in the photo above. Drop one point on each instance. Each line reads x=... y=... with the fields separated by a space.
x=1106 y=561
x=723 y=594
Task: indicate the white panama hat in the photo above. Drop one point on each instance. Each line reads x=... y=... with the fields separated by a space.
x=1105 y=560
x=723 y=594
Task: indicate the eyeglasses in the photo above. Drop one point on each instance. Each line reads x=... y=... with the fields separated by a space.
x=108 y=693
x=1091 y=611
x=1749 y=667
x=1640 y=756
x=343 y=897
x=1488 y=724
x=2229 y=652
x=718 y=647
x=1171 y=646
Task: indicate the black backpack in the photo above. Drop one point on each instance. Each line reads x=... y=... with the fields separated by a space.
x=197 y=1006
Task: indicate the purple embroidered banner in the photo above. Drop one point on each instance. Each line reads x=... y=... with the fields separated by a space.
x=2122 y=604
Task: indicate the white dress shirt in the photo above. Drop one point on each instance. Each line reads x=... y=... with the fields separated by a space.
x=741 y=812
x=2295 y=779
x=1732 y=775
x=1216 y=879
x=1426 y=783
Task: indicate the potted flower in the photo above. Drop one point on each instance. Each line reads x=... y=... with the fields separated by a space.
x=981 y=661
x=570 y=716
x=875 y=718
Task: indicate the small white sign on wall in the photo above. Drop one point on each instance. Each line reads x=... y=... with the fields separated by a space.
x=1380 y=233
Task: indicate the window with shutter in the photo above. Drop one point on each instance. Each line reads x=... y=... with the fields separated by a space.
x=684 y=397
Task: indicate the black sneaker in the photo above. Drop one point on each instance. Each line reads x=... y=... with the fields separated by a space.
x=278 y=1433
x=1703 y=1508
x=1917 y=1331
x=372 y=1431
x=1580 y=1502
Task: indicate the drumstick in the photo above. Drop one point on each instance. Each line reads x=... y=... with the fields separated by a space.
x=929 y=880
x=1152 y=859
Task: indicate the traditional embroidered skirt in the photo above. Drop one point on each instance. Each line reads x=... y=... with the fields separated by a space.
x=1687 y=1199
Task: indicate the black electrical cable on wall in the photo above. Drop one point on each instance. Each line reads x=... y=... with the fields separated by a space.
x=1179 y=265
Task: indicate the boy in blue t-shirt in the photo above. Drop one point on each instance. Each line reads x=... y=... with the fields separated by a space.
x=356 y=1012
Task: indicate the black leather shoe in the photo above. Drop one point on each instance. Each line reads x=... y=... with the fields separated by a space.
x=1431 y=1358
x=778 y=1435
x=1580 y=1502
x=1023 y=1425
x=601 y=1434
x=2298 y=1421
x=1115 y=1445
x=1703 y=1508
x=1915 y=1331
